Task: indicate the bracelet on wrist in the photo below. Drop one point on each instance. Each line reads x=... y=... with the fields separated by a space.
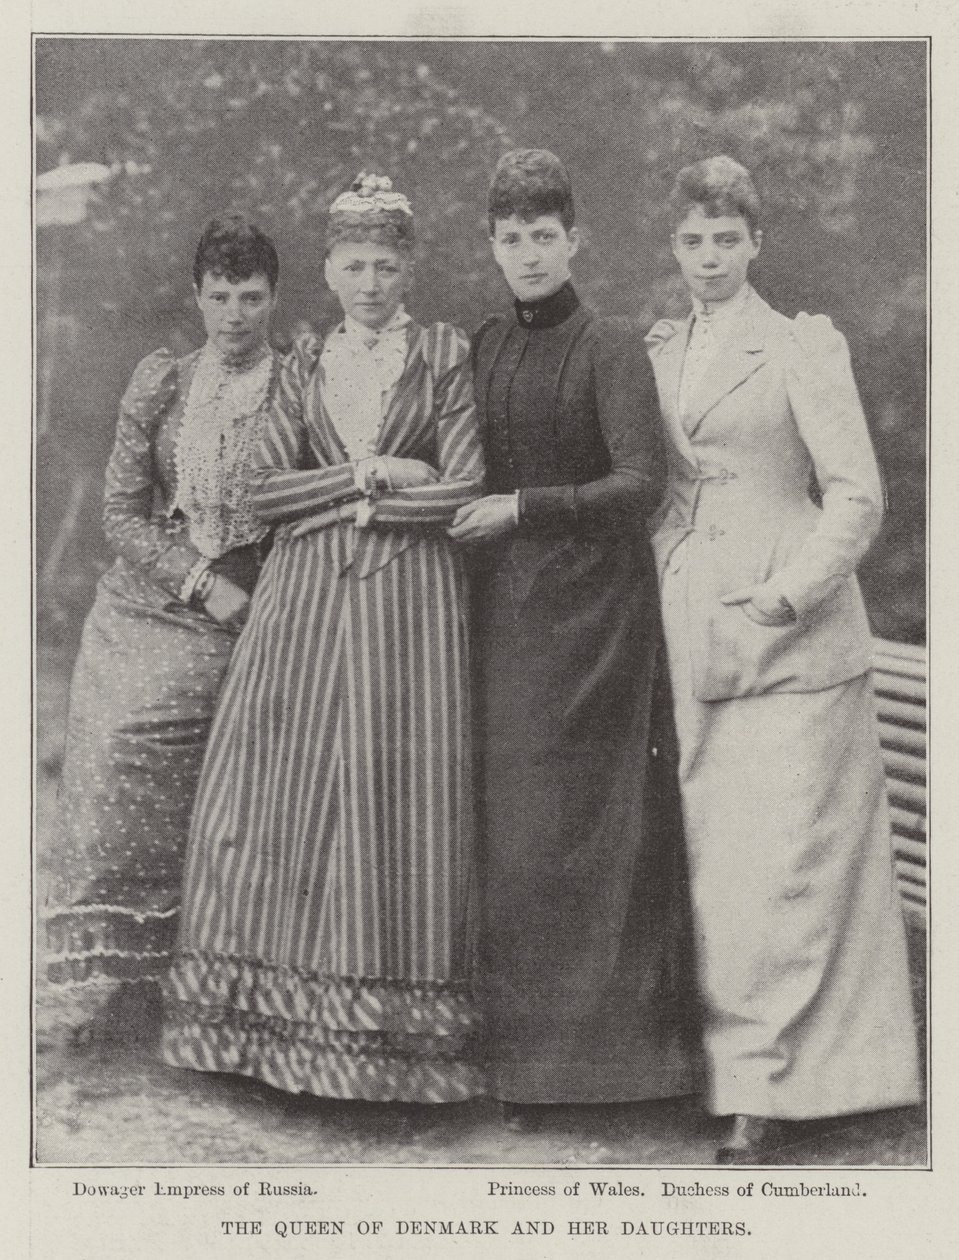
x=188 y=585
x=371 y=476
x=204 y=586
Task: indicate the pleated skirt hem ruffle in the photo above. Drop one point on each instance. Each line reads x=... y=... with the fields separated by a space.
x=369 y=1038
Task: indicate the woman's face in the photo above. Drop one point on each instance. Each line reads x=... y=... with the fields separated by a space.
x=370 y=280
x=236 y=316
x=534 y=257
x=714 y=253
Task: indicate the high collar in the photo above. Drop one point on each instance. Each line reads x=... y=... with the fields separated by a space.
x=548 y=312
x=370 y=336
x=722 y=312
x=235 y=364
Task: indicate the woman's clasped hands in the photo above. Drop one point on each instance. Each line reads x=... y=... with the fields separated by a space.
x=404 y=474
x=382 y=473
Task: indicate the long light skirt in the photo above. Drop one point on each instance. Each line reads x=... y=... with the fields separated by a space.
x=799 y=934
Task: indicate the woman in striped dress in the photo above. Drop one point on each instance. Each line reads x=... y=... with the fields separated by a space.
x=322 y=942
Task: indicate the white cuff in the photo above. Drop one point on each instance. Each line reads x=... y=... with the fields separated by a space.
x=191 y=579
x=364 y=513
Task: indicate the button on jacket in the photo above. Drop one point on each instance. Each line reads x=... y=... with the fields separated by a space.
x=775 y=414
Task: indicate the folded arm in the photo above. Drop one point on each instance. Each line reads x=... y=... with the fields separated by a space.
x=459 y=453
x=287 y=483
x=160 y=547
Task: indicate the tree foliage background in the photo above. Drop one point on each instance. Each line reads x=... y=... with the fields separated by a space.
x=835 y=134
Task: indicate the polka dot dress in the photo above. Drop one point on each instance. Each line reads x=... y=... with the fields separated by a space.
x=144 y=688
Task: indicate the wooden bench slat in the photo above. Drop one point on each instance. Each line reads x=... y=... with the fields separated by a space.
x=906 y=822
x=900 y=714
x=908 y=795
x=913 y=900
x=904 y=739
x=913 y=872
x=900 y=688
x=911 y=887
x=911 y=851
x=915 y=658
x=912 y=876
x=904 y=766
x=899 y=668
x=906 y=651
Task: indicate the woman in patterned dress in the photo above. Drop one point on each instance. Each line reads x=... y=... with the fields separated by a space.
x=322 y=943
x=157 y=641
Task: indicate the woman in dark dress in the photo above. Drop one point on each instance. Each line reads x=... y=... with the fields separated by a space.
x=582 y=955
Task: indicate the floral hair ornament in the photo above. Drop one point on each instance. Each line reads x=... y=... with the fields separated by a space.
x=370 y=194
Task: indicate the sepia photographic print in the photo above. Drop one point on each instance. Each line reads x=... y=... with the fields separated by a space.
x=480 y=638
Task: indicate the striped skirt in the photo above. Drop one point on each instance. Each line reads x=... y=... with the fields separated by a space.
x=322 y=943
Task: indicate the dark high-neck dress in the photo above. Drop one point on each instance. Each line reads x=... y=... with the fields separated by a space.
x=583 y=962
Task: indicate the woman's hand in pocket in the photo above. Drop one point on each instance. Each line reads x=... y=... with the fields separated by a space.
x=762 y=604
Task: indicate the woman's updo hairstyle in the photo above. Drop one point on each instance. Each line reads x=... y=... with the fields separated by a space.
x=718 y=186
x=528 y=183
x=232 y=246
x=371 y=211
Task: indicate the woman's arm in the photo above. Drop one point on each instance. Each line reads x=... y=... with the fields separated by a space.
x=825 y=403
x=161 y=548
x=628 y=409
x=286 y=483
x=459 y=453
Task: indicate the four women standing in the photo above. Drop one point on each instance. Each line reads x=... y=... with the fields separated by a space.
x=325 y=944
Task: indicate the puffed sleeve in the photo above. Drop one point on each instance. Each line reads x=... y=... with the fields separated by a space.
x=287 y=482
x=628 y=409
x=459 y=453
x=825 y=403
x=160 y=547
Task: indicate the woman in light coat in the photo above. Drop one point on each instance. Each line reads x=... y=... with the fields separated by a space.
x=800 y=942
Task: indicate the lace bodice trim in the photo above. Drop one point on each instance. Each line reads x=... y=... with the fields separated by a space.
x=360 y=372
x=222 y=426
